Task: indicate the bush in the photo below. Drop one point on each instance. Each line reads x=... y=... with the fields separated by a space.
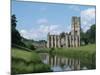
x=32 y=47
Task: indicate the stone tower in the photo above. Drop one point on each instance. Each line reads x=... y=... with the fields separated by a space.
x=48 y=40
x=75 y=31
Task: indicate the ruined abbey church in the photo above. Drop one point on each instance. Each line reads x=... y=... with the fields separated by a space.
x=71 y=39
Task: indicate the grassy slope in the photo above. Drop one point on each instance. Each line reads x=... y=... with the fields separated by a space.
x=25 y=55
x=27 y=62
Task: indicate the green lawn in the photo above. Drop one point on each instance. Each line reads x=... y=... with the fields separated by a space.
x=25 y=55
x=76 y=52
x=27 y=62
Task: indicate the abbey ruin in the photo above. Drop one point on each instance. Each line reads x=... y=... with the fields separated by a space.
x=71 y=39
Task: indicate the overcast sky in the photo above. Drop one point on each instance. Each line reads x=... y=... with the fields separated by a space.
x=35 y=20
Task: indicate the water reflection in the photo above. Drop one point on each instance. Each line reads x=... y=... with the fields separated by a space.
x=60 y=63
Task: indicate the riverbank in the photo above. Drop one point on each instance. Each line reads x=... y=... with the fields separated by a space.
x=87 y=54
x=24 y=61
x=27 y=62
x=76 y=52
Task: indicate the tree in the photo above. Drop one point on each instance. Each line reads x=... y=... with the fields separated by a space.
x=13 y=21
x=15 y=35
x=83 y=37
x=62 y=34
x=91 y=34
x=32 y=47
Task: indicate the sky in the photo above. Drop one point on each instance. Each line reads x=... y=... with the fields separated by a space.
x=36 y=19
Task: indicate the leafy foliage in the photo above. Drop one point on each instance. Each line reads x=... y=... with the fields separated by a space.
x=32 y=47
x=89 y=36
x=62 y=34
x=15 y=35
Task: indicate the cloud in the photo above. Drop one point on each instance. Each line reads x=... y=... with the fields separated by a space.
x=42 y=21
x=88 y=14
x=31 y=34
x=87 y=18
x=44 y=28
x=24 y=33
x=41 y=32
x=74 y=8
x=53 y=29
x=43 y=9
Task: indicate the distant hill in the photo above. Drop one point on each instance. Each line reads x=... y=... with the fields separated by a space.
x=36 y=44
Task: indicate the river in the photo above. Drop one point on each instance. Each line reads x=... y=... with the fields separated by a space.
x=59 y=64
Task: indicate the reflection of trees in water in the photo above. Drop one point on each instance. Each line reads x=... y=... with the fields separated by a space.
x=89 y=62
x=51 y=52
x=73 y=63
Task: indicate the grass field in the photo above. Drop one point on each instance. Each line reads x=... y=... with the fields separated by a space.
x=27 y=62
x=76 y=52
